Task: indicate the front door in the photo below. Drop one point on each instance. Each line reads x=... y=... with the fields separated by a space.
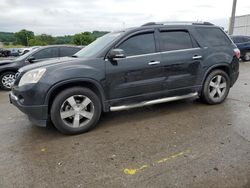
x=140 y=74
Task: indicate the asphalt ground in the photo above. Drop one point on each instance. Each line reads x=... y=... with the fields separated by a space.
x=179 y=144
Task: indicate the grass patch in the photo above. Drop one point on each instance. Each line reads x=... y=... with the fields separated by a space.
x=13 y=46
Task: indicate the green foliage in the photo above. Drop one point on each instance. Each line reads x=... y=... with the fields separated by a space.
x=7 y=37
x=27 y=38
x=67 y=39
x=42 y=40
x=83 y=38
x=98 y=34
x=24 y=36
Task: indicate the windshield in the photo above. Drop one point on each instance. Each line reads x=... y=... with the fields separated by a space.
x=94 y=48
x=24 y=56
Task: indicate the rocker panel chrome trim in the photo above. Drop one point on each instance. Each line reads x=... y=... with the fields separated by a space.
x=157 y=101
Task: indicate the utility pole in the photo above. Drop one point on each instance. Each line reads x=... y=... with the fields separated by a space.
x=27 y=40
x=232 y=19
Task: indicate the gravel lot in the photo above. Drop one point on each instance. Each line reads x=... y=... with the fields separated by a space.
x=178 y=144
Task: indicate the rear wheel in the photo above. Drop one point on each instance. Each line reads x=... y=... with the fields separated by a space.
x=7 y=80
x=216 y=87
x=76 y=110
x=246 y=56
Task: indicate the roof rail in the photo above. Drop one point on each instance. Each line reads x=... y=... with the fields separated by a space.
x=177 y=23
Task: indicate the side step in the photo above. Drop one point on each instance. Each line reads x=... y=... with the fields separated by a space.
x=157 y=101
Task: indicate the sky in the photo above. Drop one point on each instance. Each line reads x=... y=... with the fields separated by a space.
x=66 y=17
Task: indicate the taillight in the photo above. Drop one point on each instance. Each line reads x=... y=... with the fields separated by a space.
x=237 y=53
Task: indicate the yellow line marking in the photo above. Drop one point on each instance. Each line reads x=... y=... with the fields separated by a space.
x=133 y=171
x=43 y=150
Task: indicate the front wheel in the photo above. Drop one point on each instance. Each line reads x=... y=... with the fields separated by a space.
x=7 y=80
x=216 y=87
x=76 y=110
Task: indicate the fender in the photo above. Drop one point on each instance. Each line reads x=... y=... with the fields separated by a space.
x=213 y=67
x=92 y=81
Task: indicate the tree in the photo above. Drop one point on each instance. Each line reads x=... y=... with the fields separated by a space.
x=67 y=39
x=36 y=42
x=42 y=40
x=98 y=34
x=48 y=39
x=24 y=36
x=83 y=38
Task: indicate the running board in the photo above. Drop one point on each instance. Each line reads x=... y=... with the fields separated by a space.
x=157 y=101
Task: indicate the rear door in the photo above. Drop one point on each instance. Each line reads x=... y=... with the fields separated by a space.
x=181 y=58
x=140 y=73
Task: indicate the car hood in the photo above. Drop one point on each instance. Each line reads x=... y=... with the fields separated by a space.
x=5 y=62
x=49 y=63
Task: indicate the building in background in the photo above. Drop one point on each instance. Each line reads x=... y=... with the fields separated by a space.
x=242 y=25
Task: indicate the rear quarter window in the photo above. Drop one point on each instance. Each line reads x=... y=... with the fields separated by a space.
x=213 y=36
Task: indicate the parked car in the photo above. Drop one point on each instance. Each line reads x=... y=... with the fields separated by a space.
x=4 y=53
x=8 y=68
x=23 y=51
x=151 y=64
x=243 y=43
x=14 y=52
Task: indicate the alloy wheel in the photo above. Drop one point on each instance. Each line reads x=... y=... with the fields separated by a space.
x=8 y=80
x=217 y=87
x=77 y=111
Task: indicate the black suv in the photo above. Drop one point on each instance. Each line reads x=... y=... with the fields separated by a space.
x=243 y=43
x=154 y=63
x=8 y=68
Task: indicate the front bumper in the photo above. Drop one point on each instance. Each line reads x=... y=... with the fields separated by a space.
x=38 y=114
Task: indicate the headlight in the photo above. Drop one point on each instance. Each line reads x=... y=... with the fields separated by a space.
x=32 y=76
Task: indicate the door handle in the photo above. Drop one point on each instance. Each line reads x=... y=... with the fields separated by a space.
x=154 y=62
x=197 y=57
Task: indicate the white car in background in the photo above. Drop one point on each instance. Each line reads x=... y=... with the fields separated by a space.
x=23 y=51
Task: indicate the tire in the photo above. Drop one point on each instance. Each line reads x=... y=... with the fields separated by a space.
x=7 y=80
x=215 y=81
x=246 y=57
x=68 y=108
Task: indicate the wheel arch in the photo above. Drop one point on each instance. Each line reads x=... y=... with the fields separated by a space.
x=222 y=66
x=8 y=70
x=87 y=83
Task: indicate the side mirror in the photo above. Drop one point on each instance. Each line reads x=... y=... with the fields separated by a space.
x=31 y=59
x=116 y=54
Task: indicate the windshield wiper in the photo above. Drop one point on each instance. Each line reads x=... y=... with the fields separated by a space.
x=75 y=56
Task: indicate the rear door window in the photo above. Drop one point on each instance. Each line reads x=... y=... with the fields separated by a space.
x=213 y=36
x=139 y=44
x=47 y=53
x=175 y=40
x=68 y=51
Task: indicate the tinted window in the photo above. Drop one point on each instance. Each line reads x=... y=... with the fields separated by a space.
x=46 y=53
x=139 y=44
x=175 y=40
x=246 y=39
x=213 y=36
x=237 y=39
x=68 y=51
